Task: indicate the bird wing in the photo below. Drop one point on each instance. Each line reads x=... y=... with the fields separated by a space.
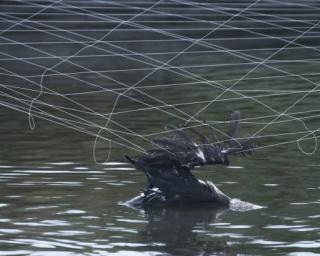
x=168 y=166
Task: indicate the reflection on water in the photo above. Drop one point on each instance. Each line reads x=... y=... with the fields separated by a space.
x=172 y=227
x=54 y=200
x=68 y=209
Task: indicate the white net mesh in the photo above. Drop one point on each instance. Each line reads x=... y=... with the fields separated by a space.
x=120 y=70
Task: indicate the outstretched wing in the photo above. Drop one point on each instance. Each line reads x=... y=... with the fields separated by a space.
x=197 y=150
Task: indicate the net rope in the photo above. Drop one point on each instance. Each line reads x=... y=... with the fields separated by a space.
x=260 y=42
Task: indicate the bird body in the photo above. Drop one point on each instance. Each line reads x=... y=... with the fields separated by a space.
x=168 y=166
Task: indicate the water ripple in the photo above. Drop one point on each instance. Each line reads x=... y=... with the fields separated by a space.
x=72 y=212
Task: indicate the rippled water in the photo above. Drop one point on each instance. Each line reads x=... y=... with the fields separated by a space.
x=59 y=202
x=55 y=200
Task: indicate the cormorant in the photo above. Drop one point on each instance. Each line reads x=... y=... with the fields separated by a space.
x=168 y=167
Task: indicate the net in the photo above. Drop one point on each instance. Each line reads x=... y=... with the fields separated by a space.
x=120 y=70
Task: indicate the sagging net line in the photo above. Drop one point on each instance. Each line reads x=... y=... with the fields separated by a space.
x=21 y=100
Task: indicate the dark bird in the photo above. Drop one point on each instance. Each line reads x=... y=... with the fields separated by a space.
x=168 y=167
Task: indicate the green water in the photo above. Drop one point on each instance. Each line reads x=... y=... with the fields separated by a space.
x=55 y=200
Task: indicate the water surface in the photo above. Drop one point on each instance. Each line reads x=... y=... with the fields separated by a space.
x=54 y=198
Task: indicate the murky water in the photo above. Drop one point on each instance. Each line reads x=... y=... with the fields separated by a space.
x=59 y=203
x=55 y=200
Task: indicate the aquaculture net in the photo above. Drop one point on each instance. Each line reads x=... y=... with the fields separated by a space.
x=120 y=70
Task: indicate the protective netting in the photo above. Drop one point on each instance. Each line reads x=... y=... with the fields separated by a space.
x=111 y=69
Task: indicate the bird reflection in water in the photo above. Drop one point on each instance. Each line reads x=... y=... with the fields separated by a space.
x=181 y=230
